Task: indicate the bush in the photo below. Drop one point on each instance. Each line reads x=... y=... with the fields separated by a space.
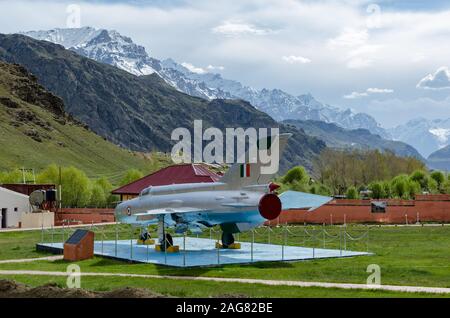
x=438 y=177
x=377 y=190
x=98 y=197
x=413 y=189
x=421 y=177
x=352 y=193
x=296 y=174
x=399 y=186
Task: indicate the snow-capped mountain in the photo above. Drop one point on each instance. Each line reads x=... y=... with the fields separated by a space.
x=112 y=48
x=105 y=46
x=425 y=135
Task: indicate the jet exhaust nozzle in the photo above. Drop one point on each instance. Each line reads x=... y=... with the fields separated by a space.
x=269 y=206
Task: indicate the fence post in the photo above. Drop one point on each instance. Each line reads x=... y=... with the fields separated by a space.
x=367 y=238
x=117 y=237
x=101 y=232
x=165 y=242
x=283 y=242
x=131 y=243
x=268 y=231
x=323 y=234
x=53 y=235
x=345 y=238
x=253 y=241
x=340 y=241
x=42 y=233
x=184 y=249
x=218 y=248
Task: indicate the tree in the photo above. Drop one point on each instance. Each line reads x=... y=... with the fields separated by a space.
x=432 y=186
x=377 y=190
x=387 y=190
x=439 y=177
x=352 y=193
x=420 y=176
x=13 y=176
x=75 y=187
x=296 y=174
x=131 y=176
x=399 y=186
x=49 y=175
x=339 y=169
x=413 y=189
x=98 y=198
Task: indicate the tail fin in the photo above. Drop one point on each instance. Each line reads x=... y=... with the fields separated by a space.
x=244 y=174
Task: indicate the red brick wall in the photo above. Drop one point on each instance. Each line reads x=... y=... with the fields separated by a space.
x=428 y=208
x=84 y=216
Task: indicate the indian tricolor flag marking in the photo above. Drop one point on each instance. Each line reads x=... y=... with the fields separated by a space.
x=245 y=170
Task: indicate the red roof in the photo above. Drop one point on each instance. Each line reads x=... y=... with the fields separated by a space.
x=184 y=173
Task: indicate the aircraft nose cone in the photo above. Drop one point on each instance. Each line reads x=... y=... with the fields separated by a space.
x=269 y=206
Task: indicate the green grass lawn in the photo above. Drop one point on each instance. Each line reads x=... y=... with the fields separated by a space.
x=415 y=256
x=189 y=288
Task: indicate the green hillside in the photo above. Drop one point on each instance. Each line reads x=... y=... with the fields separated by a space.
x=35 y=132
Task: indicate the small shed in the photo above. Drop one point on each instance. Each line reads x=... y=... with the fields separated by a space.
x=13 y=205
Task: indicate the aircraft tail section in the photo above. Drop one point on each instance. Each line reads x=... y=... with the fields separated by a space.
x=257 y=171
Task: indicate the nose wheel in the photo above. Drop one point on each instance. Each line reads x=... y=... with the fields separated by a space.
x=168 y=242
x=145 y=238
x=227 y=239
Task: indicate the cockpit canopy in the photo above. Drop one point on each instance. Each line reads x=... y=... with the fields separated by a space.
x=146 y=191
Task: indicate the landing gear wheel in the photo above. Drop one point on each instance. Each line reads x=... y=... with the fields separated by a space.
x=144 y=236
x=227 y=239
x=167 y=242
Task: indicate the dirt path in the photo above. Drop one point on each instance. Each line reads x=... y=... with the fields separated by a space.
x=409 y=289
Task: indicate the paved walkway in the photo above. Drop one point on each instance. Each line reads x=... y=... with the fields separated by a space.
x=27 y=260
x=410 y=289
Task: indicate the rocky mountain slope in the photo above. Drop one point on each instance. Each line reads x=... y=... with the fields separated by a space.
x=427 y=136
x=35 y=131
x=112 y=48
x=440 y=159
x=338 y=137
x=134 y=112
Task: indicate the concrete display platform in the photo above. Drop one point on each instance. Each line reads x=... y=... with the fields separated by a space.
x=202 y=252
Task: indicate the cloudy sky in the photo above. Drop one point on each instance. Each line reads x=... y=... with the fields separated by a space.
x=387 y=58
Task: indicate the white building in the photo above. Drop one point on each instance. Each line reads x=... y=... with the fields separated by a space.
x=13 y=205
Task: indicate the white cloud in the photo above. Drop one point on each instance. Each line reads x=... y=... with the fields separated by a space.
x=380 y=90
x=233 y=29
x=292 y=59
x=215 y=68
x=349 y=38
x=439 y=80
x=368 y=92
x=354 y=95
x=354 y=46
x=193 y=68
